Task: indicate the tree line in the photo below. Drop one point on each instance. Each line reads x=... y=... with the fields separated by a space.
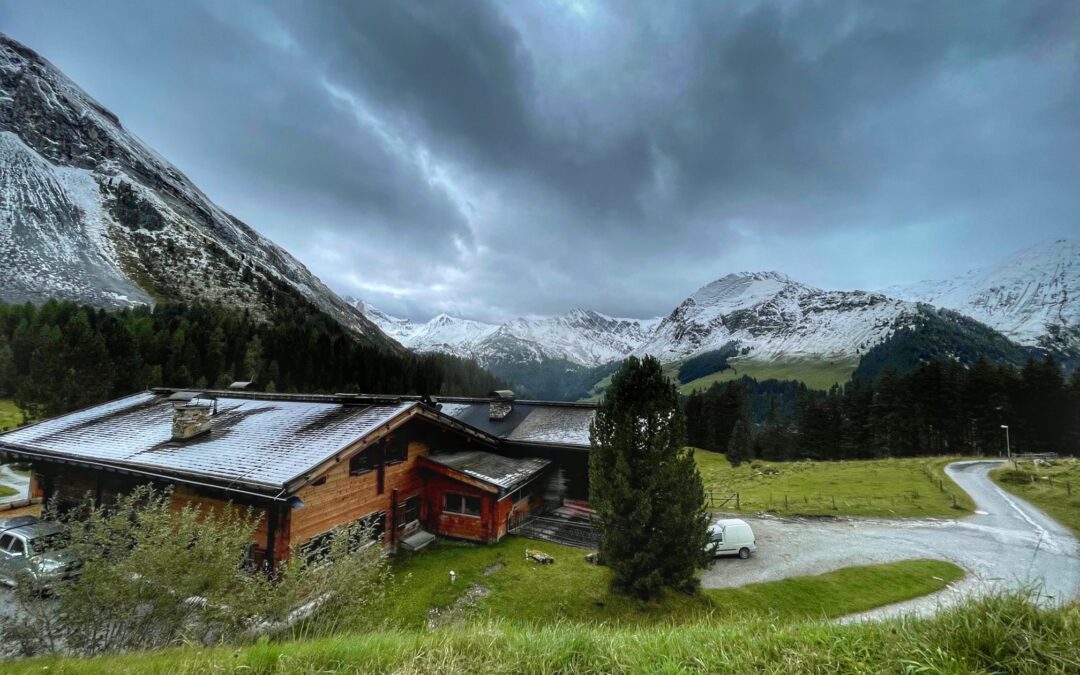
x=62 y=356
x=937 y=408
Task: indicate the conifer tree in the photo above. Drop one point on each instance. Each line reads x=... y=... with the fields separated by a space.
x=740 y=447
x=645 y=486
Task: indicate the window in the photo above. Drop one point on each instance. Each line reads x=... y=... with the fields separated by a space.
x=463 y=504
x=377 y=524
x=396 y=451
x=13 y=546
x=317 y=548
x=361 y=462
x=409 y=511
x=521 y=494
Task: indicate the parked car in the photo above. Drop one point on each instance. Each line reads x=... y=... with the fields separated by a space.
x=35 y=551
x=731 y=536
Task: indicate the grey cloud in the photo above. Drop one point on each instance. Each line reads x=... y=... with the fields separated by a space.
x=529 y=157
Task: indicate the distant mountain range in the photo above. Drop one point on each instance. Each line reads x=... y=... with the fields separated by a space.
x=89 y=213
x=767 y=323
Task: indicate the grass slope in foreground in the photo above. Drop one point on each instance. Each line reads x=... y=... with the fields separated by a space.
x=497 y=582
x=890 y=488
x=814 y=374
x=1045 y=487
x=1002 y=634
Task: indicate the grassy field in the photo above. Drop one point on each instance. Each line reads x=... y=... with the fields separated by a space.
x=571 y=589
x=10 y=415
x=996 y=635
x=815 y=374
x=1047 y=487
x=892 y=488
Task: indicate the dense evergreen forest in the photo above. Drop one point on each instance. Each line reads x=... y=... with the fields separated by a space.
x=62 y=356
x=937 y=408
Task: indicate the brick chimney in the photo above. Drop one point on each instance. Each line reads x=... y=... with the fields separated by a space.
x=192 y=416
x=502 y=404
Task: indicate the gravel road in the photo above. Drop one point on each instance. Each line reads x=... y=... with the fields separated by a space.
x=1006 y=544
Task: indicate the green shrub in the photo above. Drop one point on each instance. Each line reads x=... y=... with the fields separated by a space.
x=156 y=576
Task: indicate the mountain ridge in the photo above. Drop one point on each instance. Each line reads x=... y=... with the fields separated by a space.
x=90 y=213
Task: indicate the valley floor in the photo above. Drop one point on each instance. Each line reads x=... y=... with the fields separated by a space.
x=507 y=614
x=821 y=374
x=889 y=488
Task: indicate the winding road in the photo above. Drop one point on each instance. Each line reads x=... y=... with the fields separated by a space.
x=1006 y=544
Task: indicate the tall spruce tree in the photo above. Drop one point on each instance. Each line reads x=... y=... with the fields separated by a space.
x=740 y=446
x=645 y=486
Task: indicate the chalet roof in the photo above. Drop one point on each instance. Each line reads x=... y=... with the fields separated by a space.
x=265 y=443
x=533 y=422
x=505 y=473
x=260 y=443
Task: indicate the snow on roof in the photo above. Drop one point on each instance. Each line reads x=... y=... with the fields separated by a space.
x=504 y=472
x=529 y=422
x=552 y=424
x=262 y=442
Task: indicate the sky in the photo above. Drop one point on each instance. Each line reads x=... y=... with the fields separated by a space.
x=496 y=159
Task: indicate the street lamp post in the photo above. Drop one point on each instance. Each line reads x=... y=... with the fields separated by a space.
x=1008 y=448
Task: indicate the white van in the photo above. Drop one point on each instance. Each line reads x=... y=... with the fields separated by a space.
x=731 y=536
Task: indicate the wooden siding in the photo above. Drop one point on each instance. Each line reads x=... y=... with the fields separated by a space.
x=343 y=499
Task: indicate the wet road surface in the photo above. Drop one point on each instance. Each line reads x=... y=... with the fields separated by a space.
x=1006 y=544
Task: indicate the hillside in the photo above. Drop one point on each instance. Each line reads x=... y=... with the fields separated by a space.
x=767 y=315
x=1032 y=297
x=89 y=213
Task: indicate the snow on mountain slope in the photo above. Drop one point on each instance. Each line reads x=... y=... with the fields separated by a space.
x=769 y=316
x=89 y=213
x=583 y=337
x=1032 y=297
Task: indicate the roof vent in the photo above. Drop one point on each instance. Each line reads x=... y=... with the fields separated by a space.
x=502 y=404
x=192 y=415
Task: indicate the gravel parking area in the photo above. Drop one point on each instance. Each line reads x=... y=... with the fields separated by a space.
x=1006 y=544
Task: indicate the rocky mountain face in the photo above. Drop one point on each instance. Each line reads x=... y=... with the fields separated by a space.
x=767 y=315
x=1027 y=306
x=89 y=213
x=1032 y=297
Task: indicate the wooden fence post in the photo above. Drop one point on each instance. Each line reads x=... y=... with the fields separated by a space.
x=953 y=501
x=737 y=507
x=1068 y=488
x=785 y=503
x=834 y=502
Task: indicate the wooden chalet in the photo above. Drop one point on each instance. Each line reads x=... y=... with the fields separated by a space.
x=461 y=468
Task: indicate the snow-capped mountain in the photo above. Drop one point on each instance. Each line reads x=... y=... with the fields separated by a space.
x=1032 y=297
x=768 y=316
x=582 y=337
x=89 y=213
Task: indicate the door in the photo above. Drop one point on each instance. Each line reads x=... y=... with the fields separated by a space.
x=409 y=515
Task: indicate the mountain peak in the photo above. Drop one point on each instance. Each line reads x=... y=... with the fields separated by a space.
x=90 y=209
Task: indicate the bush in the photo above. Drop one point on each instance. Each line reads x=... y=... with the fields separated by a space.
x=156 y=576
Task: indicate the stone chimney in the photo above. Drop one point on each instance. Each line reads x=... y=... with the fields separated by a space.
x=192 y=416
x=502 y=404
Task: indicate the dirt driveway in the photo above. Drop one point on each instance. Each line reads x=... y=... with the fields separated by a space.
x=1007 y=543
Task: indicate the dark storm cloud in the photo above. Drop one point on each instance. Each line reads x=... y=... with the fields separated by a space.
x=495 y=158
